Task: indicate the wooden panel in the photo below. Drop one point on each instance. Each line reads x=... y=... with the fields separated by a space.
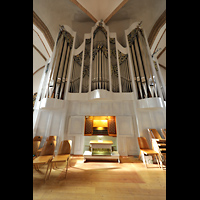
x=112 y=126
x=132 y=146
x=124 y=126
x=76 y=125
x=88 y=127
x=78 y=146
x=122 y=148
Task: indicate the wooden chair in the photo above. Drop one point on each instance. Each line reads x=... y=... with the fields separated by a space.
x=163 y=130
x=38 y=138
x=63 y=154
x=45 y=156
x=50 y=138
x=158 y=145
x=36 y=145
x=145 y=150
x=154 y=134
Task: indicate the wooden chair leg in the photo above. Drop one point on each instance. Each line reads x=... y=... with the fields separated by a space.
x=36 y=166
x=144 y=160
x=157 y=159
x=160 y=161
x=46 y=171
x=66 y=169
x=139 y=155
x=68 y=161
x=51 y=166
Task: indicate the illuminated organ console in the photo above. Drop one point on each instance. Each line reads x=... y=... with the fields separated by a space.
x=100 y=78
x=101 y=150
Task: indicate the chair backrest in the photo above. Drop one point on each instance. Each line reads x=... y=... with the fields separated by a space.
x=154 y=134
x=51 y=138
x=65 y=147
x=36 y=145
x=38 y=138
x=48 y=148
x=143 y=144
x=163 y=130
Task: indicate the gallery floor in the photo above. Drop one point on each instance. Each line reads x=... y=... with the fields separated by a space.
x=98 y=180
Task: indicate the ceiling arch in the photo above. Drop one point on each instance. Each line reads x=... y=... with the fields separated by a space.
x=41 y=49
x=157 y=40
x=43 y=28
x=156 y=28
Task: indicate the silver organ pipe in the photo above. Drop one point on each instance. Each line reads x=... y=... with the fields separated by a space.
x=101 y=63
x=162 y=86
x=64 y=73
x=76 y=74
x=144 y=78
x=60 y=71
x=100 y=71
x=55 y=66
x=147 y=64
x=124 y=72
x=60 y=65
x=86 y=64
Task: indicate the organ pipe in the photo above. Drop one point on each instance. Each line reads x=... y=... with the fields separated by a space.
x=148 y=92
x=145 y=80
x=58 y=74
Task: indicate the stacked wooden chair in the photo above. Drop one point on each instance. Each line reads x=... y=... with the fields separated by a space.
x=63 y=154
x=46 y=156
x=145 y=150
x=163 y=130
x=158 y=145
x=38 y=138
x=36 y=143
x=50 y=138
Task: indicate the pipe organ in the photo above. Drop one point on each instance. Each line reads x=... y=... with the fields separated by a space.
x=101 y=64
x=121 y=79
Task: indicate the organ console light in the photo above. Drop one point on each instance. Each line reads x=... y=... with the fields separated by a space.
x=100 y=125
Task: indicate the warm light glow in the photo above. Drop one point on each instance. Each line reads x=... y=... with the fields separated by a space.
x=100 y=123
x=99 y=128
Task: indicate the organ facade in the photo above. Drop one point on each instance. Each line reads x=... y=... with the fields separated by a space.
x=120 y=87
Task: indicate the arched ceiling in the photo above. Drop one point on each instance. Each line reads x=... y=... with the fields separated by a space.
x=81 y=15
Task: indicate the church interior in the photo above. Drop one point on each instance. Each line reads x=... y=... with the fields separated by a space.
x=99 y=99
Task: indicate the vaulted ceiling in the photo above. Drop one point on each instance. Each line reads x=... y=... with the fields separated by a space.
x=81 y=15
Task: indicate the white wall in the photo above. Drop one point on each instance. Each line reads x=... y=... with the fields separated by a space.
x=68 y=122
x=36 y=80
x=163 y=72
x=41 y=48
x=150 y=119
